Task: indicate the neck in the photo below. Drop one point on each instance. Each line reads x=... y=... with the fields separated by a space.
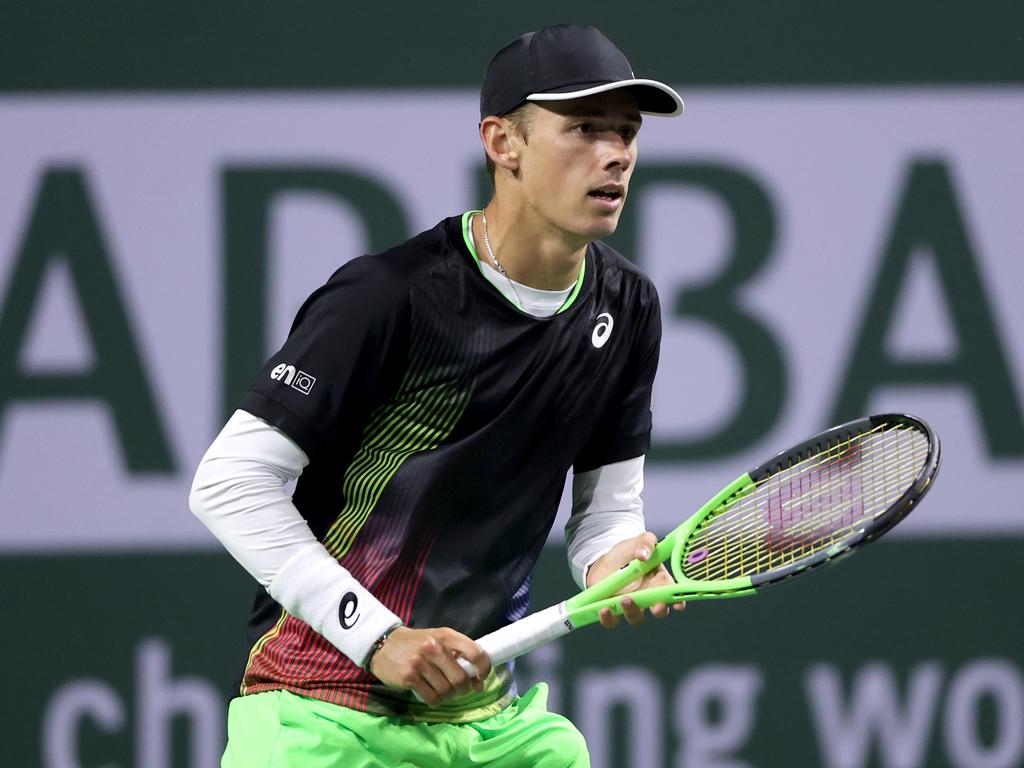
x=533 y=251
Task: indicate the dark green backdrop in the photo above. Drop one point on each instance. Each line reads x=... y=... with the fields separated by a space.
x=87 y=617
x=231 y=44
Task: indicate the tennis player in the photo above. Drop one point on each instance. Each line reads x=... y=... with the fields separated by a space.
x=430 y=401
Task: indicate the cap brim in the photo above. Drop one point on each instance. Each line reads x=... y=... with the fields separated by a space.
x=652 y=97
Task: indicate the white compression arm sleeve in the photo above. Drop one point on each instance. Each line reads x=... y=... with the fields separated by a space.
x=606 y=508
x=239 y=494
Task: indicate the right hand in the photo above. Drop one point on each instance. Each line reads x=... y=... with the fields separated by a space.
x=423 y=660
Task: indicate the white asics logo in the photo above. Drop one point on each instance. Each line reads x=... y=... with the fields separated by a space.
x=602 y=330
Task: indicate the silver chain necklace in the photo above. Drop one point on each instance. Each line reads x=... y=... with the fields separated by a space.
x=501 y=269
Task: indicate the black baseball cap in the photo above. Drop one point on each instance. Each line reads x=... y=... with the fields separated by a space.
x=566 y=62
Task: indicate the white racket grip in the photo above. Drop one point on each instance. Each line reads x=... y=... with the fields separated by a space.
x=522 y=636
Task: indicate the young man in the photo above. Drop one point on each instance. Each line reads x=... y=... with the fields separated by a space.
x=430 y=400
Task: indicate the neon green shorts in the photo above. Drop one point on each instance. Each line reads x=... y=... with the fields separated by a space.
x=279 y=729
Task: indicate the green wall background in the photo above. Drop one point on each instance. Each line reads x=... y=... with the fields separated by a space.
x=232 y=44
x=88 y=617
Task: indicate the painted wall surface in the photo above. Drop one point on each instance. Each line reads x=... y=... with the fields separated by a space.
x=820 y=255
x=130 y=660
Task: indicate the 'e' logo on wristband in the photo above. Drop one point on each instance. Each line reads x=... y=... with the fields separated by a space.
x=347 y=610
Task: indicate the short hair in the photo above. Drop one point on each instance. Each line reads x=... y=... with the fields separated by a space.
x=520 y=120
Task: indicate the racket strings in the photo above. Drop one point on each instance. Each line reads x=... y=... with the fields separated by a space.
x=785 y=541
x=877 y=498
x=806 y=495
x=808 y=506
x=790 y=537
x=737 y=519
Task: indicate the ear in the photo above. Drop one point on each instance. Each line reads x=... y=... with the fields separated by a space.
x=500 y=142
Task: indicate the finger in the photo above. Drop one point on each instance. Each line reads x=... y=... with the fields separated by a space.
x=659 y=610
x=423 y=689
x=607 y=618
x=633 y=613
x=425 y=692
x=462 y=645
x=473 y=672
x=435 y=679
x=457 y=677
x=645 y=544
x=442 y=656
x=428 y=663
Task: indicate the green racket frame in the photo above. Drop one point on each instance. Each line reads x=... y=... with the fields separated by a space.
x=585 y=608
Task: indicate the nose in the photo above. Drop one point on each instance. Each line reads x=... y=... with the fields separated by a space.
x=619 y=155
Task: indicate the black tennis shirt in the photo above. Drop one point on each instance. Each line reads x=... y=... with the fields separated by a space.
x=440 y=422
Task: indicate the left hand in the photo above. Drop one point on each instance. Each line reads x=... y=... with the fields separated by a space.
x=638 y=548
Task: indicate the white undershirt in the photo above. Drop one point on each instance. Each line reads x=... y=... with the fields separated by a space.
x=534 y=301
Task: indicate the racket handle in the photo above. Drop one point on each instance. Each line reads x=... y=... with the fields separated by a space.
x=522 y=636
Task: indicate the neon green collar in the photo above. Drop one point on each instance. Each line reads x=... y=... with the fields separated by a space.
x=468 y=237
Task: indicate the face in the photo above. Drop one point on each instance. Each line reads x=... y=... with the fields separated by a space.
x=577 y=159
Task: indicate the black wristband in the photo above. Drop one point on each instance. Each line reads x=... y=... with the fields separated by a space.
x=377 y=645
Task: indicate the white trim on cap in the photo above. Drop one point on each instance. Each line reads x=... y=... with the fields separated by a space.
x=611 y=87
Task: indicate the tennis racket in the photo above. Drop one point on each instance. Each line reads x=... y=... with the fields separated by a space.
x=808 y=506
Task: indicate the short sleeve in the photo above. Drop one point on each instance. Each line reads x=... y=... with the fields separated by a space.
x=624 y=431
x=344 y=349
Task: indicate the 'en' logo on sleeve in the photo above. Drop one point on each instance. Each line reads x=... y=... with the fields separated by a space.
x=298 y=380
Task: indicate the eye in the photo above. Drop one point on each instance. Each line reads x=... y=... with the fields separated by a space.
x=584 y=127
x=628 y=133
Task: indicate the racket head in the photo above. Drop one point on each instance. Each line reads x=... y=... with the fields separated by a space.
x=807 y=506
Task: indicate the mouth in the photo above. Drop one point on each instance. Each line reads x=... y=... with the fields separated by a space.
x=609 y=192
